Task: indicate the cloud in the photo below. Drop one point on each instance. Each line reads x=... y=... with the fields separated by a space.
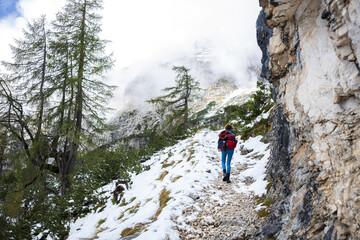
x=148 y=37
x=142 y=29
x=31 y=9
x=11 y=26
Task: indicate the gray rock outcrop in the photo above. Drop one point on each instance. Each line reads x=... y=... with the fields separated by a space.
x=311 y=52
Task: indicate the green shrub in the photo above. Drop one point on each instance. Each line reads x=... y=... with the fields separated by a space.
x=264 y=213
x=123 y=202
x=200 y=116
x=259 y=199
x=269 y=185
x=101 y=221
x=258 y=103
x=268 y=202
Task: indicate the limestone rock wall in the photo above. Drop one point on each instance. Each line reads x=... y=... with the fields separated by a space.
x=311 y=53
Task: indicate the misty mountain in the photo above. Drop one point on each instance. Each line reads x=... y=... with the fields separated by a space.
x=207 y=109
x=146 y=80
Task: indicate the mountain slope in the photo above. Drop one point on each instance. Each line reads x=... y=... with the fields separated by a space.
x=207 y=108
x=179 y=177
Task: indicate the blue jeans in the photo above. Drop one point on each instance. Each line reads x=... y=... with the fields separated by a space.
x=229 y=153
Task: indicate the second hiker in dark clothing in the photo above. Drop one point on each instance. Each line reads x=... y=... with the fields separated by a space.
x=228 y=150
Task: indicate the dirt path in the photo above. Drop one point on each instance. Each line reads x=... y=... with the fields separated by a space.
x=223 y=213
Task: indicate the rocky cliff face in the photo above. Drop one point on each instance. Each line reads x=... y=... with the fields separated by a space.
x=311 y=52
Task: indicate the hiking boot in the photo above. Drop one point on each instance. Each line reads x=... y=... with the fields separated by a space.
x=228 y=178
x=224 y=175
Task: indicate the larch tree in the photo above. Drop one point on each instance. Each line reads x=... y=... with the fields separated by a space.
x=55 y=93
x=23 y=93
x=175 y=104
x=83 y=71
x=52 y=99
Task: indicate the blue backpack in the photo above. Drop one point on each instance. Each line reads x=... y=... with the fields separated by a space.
x=221 y=143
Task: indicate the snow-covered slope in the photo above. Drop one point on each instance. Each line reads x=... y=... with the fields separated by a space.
x=176 y=178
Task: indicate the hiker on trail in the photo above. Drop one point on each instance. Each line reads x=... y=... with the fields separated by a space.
x=227 y=150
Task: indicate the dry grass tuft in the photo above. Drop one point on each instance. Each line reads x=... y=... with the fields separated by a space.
x=163 y=198
x=162 y=176
x=191 y=151
x=131 y=231
x=190 y=157
x=165 y=165
x=121 y=216
x=175 y=178
x=97 y=233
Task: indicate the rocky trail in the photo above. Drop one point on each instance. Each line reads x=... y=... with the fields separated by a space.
x=232 y=218
x=181 y=195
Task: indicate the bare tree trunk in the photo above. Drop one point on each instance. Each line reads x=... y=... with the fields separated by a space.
x=2 y=160
x=70 y=159
x=61 y=157
x=186 y=115
x=42 y=97
x=187 y=96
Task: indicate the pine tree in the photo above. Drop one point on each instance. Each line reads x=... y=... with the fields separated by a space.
x=176 y=102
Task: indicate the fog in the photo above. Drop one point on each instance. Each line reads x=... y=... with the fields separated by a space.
x=216 y=39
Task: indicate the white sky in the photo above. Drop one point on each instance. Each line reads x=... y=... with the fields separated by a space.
x=150 y=36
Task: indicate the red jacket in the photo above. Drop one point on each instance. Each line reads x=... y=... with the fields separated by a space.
x=230 y=139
